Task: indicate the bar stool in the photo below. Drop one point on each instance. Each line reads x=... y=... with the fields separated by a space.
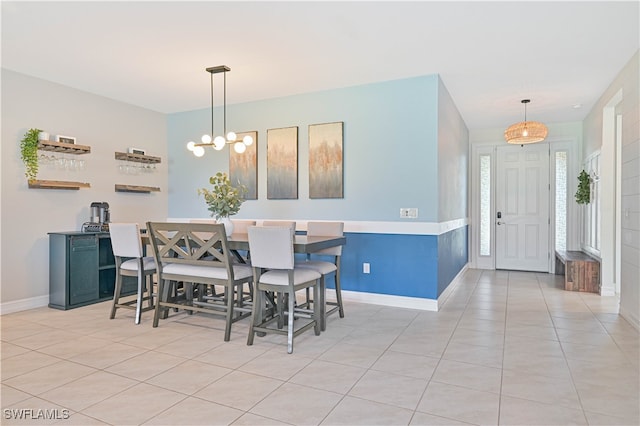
x=287 y=223
x=272 y=250
x=126 y=243
x=241 y=226
x=324 y=267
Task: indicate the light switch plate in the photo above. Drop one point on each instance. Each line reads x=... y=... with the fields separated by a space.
x=409 y=213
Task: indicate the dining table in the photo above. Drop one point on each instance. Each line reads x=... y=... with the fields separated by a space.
x=302 y=244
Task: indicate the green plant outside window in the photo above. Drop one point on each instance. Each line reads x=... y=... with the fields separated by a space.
x=583 y=195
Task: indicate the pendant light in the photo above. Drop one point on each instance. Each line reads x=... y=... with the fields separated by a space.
x=526 y=131
x=219 y=142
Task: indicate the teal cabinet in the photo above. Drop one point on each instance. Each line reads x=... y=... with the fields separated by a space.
x=82 y=269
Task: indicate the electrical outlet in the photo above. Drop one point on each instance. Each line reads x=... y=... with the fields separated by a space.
x=409 y=213
x=366 y=268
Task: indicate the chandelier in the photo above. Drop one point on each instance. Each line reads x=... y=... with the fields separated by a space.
x=219 y=142
x=526 y=131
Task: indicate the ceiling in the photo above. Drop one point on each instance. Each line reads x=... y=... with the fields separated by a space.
x=490 y=55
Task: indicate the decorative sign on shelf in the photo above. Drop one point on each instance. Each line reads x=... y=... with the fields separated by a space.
x=65 y=139
x=137 y=151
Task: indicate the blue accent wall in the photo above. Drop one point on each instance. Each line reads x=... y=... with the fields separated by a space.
x=452 y=255
x=419 y=266
x=401 y=265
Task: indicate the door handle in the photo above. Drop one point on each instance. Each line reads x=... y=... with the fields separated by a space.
x=499 y=223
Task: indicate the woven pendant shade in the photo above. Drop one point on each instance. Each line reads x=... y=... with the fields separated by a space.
x=526 y=131
x=534 y=131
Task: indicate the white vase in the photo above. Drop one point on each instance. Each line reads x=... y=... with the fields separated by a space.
x=43 y=136
x=228 y=225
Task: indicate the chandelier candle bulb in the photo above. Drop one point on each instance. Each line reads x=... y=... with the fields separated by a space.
x=198 y=151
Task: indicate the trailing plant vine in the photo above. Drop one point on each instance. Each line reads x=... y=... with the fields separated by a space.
x=29 y=153
x=583 y=195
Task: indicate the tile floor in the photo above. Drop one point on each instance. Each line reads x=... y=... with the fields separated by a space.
x=507 y=348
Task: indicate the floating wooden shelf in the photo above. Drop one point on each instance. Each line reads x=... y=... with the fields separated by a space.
x=65 y=148
x=58 y=184
x=138 y=158
x=136 y=188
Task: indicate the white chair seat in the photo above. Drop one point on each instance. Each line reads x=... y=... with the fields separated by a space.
x=127 y=244
x=239 y=271
x=149 y=264
x=281 y=277
x=318 y=265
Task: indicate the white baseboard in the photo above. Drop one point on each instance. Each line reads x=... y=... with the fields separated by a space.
x=24 y=304
x=631 y=319
x=399 y=301
x=607 y=290
x=387 y=300
x=454 y=283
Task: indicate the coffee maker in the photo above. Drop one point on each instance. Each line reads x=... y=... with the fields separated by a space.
x=99 y=218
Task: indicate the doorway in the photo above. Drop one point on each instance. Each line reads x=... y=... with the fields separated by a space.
x=522 y=214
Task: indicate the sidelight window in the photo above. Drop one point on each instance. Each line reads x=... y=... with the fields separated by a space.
x=485 y=205
x=561 y=200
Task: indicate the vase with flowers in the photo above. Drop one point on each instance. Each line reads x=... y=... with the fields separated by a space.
x=224 y=199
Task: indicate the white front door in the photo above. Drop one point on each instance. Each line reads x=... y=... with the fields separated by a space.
x=522 y=208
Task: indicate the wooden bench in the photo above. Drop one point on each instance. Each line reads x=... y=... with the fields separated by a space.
x=581 y=271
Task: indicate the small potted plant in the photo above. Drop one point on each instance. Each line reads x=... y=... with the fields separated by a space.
x=223 y=200
x=29 y=153
x=583 y=194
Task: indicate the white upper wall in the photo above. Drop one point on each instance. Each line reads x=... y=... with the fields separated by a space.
x=28 y=214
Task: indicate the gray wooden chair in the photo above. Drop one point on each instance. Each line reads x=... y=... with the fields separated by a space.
x=210 y=221
x=241 y=226
x=130 y=262
x=272 y=259
x=318 y=262
x=197 y=255
x=288 y=223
